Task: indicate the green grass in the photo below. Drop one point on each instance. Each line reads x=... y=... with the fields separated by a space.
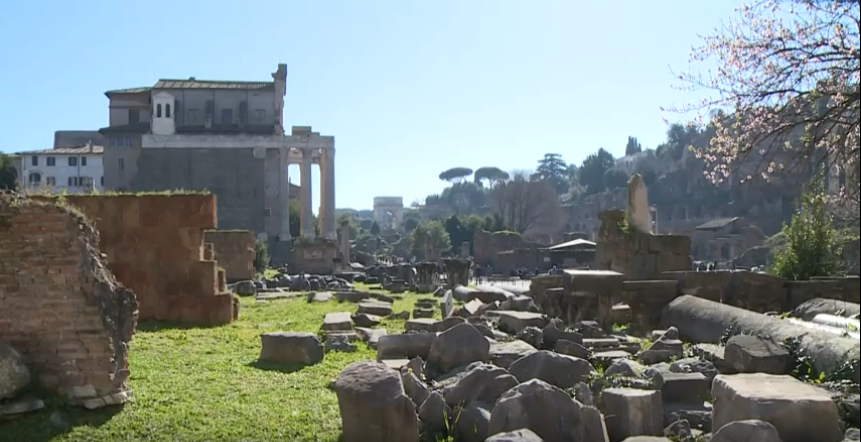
x=204 y=384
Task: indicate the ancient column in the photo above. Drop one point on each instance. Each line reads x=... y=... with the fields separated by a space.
x=322 y=214
x=345 y=241
x=638 y=213
x=329 y=196
x=305 y=199
x=284 y=195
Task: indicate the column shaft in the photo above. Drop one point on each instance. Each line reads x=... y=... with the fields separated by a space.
x=329 y=197
x=284 y=195
x=307 y=214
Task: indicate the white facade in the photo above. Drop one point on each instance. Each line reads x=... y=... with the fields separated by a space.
x=69 y=170
x=163 y=106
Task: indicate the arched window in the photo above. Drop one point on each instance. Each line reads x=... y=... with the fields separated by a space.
x=158 y=110
x=167 y=110
x=35 y=179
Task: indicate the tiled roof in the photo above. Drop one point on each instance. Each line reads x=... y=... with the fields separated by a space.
x=134 y=90
x=67 y=151
x=193 y=83
x=716 y=224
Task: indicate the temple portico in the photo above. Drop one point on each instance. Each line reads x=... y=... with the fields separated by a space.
x=277 y=152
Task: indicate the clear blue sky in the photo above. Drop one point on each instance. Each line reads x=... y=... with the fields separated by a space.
x=408 y=88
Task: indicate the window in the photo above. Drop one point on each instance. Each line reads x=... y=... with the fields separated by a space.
x=73 y=161
x=158 y=110
x=50 y=181
x=73 y=181
x=34 y=160
x=226 y=116
x=192 y=117
x=50 y=161
x=102 y=181
x=260 y=116
x=134 y=116
x=83 y=161
x=167 y=110
x=121 y=163
x=35 y=179
x=85 y=181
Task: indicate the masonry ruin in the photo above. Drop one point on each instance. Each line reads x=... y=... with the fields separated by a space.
x=155 y=245
x=60 y=306
x=234 y=251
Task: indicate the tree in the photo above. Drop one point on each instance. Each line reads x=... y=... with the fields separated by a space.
x=633 y=146
x=813 y=246
x=375 y=229
x=553 y=169
x=8 y=173
x=788 y=79
x=522 y=203
x=429 y=240
x=490 y=174
x=594 y=167
x=455 y=174
x=615 y=178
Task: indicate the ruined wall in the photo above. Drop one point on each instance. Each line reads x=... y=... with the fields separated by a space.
x=60 y=306
x=319 y=256
x=638 y=255
x=234 y=251
x=154 y=245
x=487 y=247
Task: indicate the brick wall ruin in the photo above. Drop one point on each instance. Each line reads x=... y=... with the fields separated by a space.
x=154 y=245
x=234 y=251
x=60 y=306
x=636 y=254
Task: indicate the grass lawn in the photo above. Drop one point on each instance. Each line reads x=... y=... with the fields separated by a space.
x=204 y=384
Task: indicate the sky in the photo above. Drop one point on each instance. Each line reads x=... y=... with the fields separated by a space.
x=408 y=88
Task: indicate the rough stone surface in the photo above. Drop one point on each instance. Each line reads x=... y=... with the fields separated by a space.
x=512 y=321
x=632 y=369
x=414 y=388
x=472 y=422
x=555 y=331
x=365 y=320
x=288 y=347
x=685 y=388
x=460 y=345
x=569 y=348
x=374 y=406
x=515 y=436
x=482 y=383
x=751 y=354
x=559 y=370
x=14 y=375
x=435 y=413
x=376 y=308
x=420 y=325
x=504 y=354
x=536 y=405
x=799 y=412
x=337 y=321
x=592 y=425
x=408 y=345
x=748 y=431
x=631 y=412
x=61 y=307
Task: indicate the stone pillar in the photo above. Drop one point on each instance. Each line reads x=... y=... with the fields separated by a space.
x=305 y=199
x=464 y=249
x=638 y=214
x=345 y=241
x=284 y=195
x=329 y=196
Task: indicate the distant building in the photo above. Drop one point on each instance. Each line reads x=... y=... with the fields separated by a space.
x=226 y=137
x=74 y=138
x=73 y=169
x=389 y=211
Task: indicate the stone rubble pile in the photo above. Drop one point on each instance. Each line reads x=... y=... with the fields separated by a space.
x=496 y=369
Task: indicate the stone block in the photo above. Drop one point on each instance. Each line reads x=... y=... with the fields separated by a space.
x=284 y=347
x=685 y=388
x=631 y=412
x=420 y=325
x=337 y=321
x=799 y=412
x=513 y=322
